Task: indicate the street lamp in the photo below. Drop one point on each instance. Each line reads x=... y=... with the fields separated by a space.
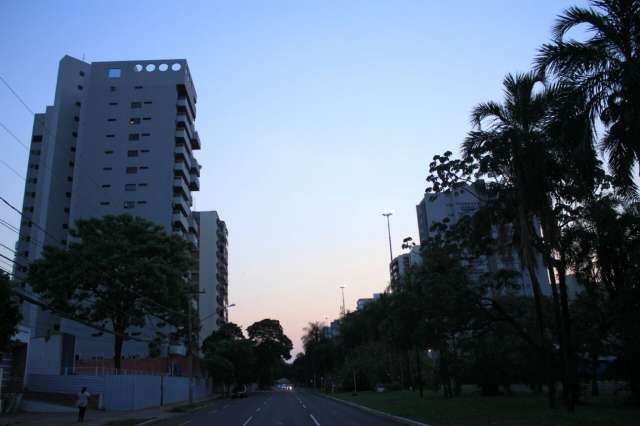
x=387 y=215
x=343 y=309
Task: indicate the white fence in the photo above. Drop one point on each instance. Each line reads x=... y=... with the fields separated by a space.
x=131 y=392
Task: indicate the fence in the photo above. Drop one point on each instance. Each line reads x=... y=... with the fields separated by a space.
x=123 y=392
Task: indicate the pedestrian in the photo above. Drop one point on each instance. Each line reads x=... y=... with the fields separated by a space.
x=82 y=403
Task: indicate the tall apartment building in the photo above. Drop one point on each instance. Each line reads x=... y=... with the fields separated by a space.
x=401 y=263
x=119 y=138
x=210 y=272
x=454 y=206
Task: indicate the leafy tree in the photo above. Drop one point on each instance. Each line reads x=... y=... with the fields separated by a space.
x=116 y=272
x=606 y=69
x=272 y=348
x=10 y=314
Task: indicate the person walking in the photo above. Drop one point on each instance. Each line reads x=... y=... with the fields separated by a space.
x=82 y=403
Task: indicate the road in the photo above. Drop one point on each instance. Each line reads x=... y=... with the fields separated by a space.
x=279 y=409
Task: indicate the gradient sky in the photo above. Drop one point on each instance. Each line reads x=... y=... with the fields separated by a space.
x=315 y=116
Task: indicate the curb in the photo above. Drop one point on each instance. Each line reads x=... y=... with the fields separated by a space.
x=401 y=420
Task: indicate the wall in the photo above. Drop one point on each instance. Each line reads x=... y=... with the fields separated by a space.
x=45 y=355
x=123 y=393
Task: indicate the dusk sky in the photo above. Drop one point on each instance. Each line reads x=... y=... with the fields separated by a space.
x=315 y=116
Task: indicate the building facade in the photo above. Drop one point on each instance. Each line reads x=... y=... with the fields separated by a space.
x=465 y=202
x=211 y=272
x=119 y=138
x=402 y=263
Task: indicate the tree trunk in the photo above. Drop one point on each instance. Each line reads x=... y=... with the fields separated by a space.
x=569 y=351
x=117 y=350
x=419 y=373
x=560 y=330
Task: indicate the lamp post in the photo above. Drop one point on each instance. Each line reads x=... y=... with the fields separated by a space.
x=387 y=215
x=343 y=311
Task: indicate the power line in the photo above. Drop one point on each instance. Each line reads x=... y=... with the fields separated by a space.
x=16 y=95
x=17 y=139
x=15 y=172
x=9 y=226
x=8 y=248
x=15 y=209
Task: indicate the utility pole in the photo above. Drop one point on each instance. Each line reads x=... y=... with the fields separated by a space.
x=343 y=311
x=190 y=349
x=387 y=214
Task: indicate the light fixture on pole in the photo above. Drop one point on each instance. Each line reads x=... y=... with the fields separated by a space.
x=387 y=215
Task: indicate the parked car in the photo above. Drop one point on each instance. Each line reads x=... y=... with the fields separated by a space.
x=239 y=392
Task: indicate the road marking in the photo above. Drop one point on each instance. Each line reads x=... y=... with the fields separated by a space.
x=186 y=423
x=147 y=422
x=258 y=409
x=304 y=406
x=225 y=406
x=247 y=422
x=314 y=420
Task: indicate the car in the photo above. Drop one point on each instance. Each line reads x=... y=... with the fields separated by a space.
x=239 y=392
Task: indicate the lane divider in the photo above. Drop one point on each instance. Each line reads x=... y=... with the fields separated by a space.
x=314 y=420
x=247 y=422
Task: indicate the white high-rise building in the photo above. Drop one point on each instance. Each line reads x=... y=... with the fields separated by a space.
x=119 y=138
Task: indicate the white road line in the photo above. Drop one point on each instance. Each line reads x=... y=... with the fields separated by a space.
x=247 y=422
x=147 y=422
x=304 y=406
x=225 y=406
x=314 y=420
x=258 y=409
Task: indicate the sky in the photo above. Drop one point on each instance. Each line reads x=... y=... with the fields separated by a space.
x=314 y=116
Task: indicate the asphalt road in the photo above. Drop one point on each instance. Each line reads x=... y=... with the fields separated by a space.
x=279 y=409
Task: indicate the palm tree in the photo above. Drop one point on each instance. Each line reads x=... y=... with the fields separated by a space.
x=512 y=146
x=606 y=69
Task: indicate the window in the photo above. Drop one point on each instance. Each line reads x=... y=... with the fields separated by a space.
x=148 y=102
x=80 y=87
x=73 y=149
x=137 y=87
x=106 y=185
x=146 y=134
x=111 y=135
x=104 y=203
x=76 y=118
x=65 y=226
x=69 y=179
x=37 y=138
x=108 y=152
x=107 y=168
x=67 y=194
x=113 y=103
x=132 y=153
x=72 y=163
x=78 y=104
x=132 y=170
x=144 y=151
x=147 y=118
x=134 y=120
x=35 y=151
x=142 y=202
x=135 y=105
x=134 y=136
x=112 y=88
x=143 y=167
x=66 y=209
x=130 y=187
x=81 y=73
x=114 y=72
x=142 y=185
x=129 y=204
x=111 y=119
x=74 y=134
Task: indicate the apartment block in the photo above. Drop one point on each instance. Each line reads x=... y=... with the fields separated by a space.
x=119 y=138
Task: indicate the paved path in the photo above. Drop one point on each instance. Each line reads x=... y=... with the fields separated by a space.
x=280 y=409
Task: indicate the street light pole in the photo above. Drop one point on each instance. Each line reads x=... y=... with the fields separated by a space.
x=387 y=214
x=343 y=308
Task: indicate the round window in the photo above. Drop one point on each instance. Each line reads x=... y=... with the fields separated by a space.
x=151 y=67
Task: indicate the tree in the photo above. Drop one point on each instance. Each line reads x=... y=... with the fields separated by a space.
x=117 y=271
x=229 y=356
x=606 y=69
x=10 y=313
x=272 y=348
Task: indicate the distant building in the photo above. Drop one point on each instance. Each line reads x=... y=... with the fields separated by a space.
x=402 y=263
x=335 y=328
x=210 y=272
x=465 y=202
x=361 y=303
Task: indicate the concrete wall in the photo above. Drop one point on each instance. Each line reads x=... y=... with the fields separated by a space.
x=45 y=355
x=123 y=393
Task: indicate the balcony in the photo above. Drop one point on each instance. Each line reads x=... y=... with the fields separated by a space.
x=195 y=142
x=183 y=204
x=191 y=237
x=180 y=167
x=180 y=185
x=183 y=102
x=195 y=167
x=193 y=225
x=183 y=154
x=194 y=183
x=180 y=221
x=183 y=137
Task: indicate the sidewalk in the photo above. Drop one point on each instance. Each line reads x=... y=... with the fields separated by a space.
x=94 y=417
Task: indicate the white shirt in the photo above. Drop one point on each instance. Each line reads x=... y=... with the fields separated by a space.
x=83 y=399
